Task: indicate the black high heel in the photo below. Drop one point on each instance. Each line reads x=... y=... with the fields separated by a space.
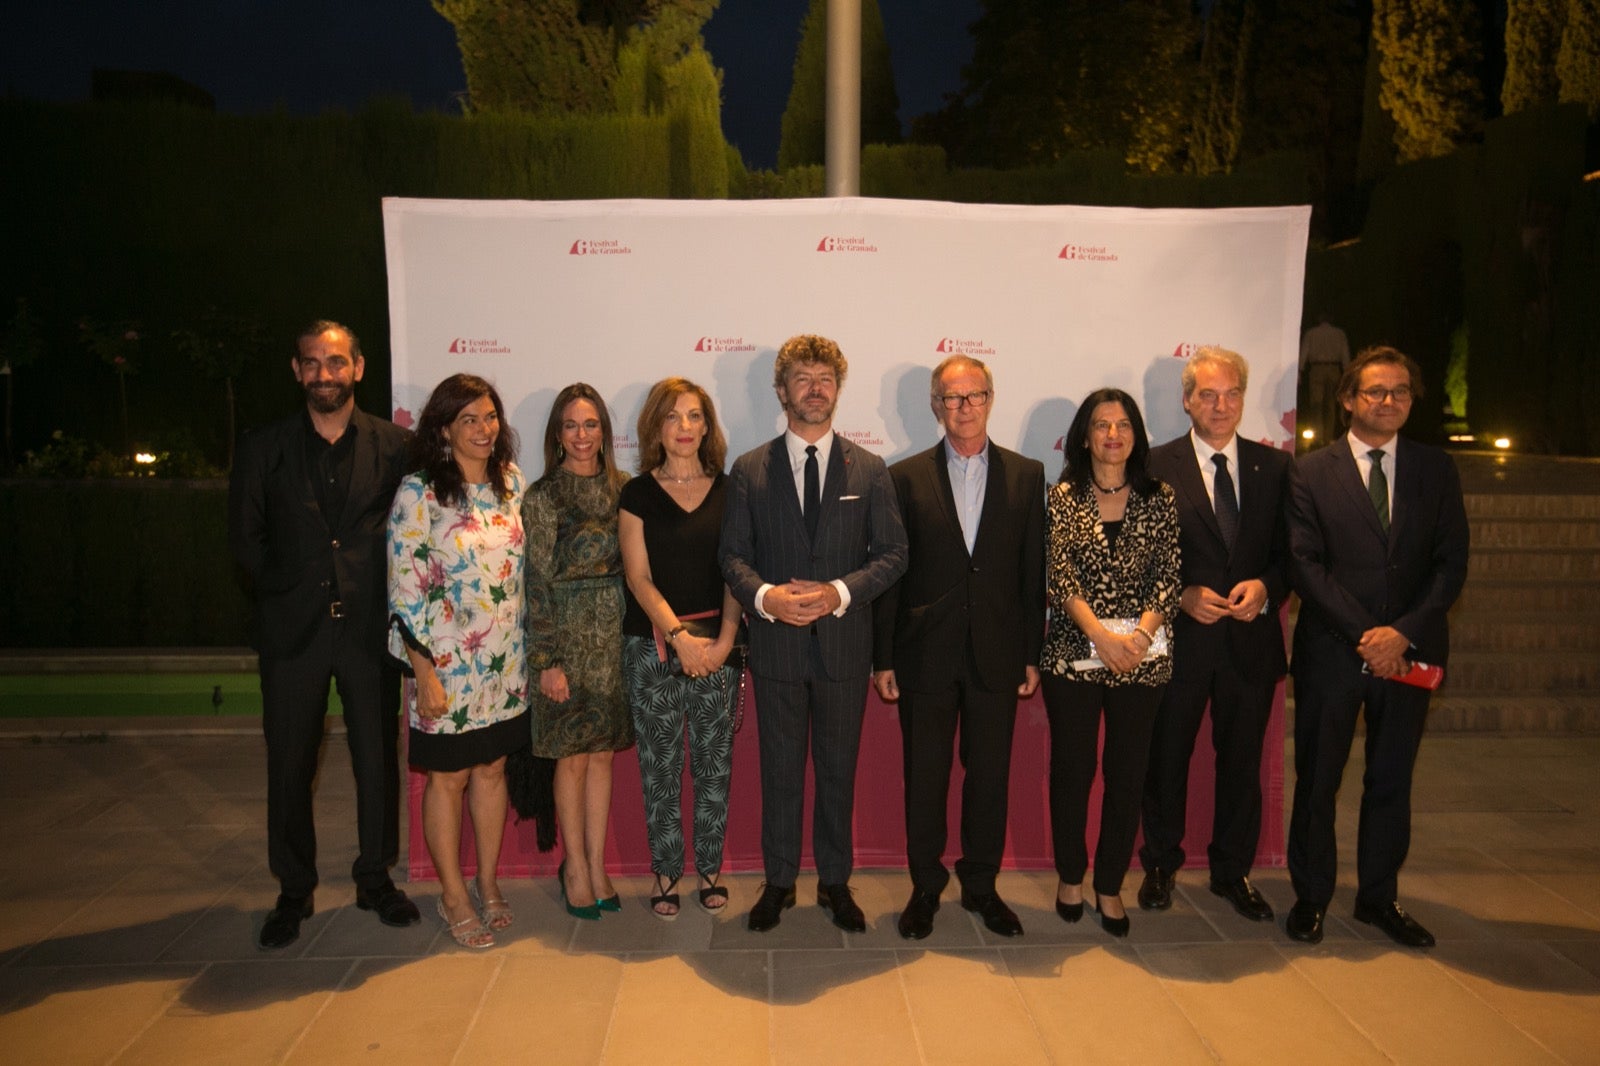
x=1069 y=912
x=1117 y=927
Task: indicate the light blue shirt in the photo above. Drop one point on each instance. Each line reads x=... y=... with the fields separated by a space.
x=969 y=478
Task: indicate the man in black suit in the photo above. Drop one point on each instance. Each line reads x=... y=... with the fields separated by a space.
x=1227 y=643
x=308 y=505
x=811 y=536
x=1378 y=553
x=957 y=639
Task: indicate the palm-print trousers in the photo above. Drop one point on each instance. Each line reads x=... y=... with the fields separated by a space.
x=666 y=705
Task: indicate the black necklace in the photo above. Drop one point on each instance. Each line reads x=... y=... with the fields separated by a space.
x=1108 y=492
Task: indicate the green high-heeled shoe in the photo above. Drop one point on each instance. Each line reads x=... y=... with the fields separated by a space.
x=589 y=913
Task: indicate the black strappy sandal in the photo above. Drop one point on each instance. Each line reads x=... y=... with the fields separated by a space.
x=710 y=892
x=665 y=896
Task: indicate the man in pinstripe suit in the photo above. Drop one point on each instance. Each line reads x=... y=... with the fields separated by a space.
x=810 y=537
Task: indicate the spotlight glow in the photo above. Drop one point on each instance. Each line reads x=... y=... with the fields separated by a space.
x=1502 y=442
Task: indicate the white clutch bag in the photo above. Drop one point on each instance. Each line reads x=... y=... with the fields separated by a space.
x=1122 y=627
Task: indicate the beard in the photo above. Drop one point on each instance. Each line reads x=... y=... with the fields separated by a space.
x=811 y=414
x=326 y=399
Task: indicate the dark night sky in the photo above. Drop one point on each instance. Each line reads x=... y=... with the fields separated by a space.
x=307 y=55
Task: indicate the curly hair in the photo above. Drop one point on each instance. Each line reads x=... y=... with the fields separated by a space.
x=430 y=457
x=658 y=405
x=808 y=348
x=1078 y=467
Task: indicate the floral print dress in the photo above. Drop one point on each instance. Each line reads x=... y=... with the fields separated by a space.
x=455 y=593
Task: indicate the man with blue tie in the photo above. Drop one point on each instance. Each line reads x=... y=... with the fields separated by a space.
x=1378 y=552
x=811 y=535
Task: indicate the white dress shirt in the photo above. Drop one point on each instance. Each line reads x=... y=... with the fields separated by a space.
x=1208 y=470
x=796 y=446
x=1360 y=448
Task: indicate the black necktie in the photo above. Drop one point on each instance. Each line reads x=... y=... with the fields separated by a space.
x=1227 y=501
x=1378 y=488
x=813 y=500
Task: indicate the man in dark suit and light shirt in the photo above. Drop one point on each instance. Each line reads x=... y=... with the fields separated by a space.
x=1227 y=642
x=957 y=639
x=1378 y=553
x=810 y=537
x=308 y=505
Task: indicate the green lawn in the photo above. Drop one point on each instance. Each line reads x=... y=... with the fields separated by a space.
x=133 y=695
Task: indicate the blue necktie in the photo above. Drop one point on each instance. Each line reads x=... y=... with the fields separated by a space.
x=1227 y=501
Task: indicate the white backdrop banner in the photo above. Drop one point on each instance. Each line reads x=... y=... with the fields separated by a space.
x=1057 y=300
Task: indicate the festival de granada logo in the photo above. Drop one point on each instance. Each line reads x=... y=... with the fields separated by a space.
x=478 y=346
x=963 y=346
x=846 y=244
x=598 y=247
x=723 y=344
x=1093 y=253
x=863 y=437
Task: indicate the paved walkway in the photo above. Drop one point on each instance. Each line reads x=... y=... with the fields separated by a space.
x=135 y=881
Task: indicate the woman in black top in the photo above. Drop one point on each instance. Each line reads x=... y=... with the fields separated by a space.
x=677 y=633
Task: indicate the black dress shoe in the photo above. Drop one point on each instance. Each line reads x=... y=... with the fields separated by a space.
x=282 y=926
x=769 y=909
x=1304 y=923
x=1244 y=897
x=916 y=921
x=846 y=915
x=1155 y=894
x=998 y=918
x=1392 y=919
x=391 y=904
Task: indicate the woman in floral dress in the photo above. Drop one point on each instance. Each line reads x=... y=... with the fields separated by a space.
x=574 y=629
x=455 y=603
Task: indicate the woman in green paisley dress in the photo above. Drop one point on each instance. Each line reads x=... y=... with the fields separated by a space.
x=574 y=636
x=455 y=547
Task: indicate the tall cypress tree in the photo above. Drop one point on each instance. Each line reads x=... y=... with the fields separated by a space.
x=803 y=141
x=1429 y=53
x=1533 y=37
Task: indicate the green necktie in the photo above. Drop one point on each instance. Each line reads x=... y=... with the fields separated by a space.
x=1378 y=488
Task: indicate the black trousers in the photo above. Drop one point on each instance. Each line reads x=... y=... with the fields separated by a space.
x=929 y=722
x=294 y=696
x=1075 y=709
x=1239 y=712
x=1329 y=692
x=823 y=716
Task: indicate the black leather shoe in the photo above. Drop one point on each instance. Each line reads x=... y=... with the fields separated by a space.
x=1244 y=897
x=1304 y=923
x=282 y=926
x=1155 y=894
x=1069 y=912
x=769 y=909
x=1393 y=920
x=391 y=904
x=916 y=921
x=998 y=918
x=846 y=915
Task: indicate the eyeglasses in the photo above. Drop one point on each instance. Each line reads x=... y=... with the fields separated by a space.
x=1210 y=397
x=953 y=400
x=1378 y=394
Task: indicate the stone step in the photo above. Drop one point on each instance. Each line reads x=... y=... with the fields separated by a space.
x=127 y=661
x=1484 y=594
x=1525 y=631
x=1582 y=533
x=1546 y=715
x=1544 y=564
x=1531 y=673
x=1512 y=505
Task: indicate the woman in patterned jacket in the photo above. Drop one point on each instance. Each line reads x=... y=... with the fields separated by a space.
x=1111 y=584
x=455 y=603
x=679 y=629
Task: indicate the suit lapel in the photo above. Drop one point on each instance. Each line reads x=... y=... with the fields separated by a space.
x=1251 y=485
x=834 y=480
x=780 y=481
x=1193 y=489
x=939 y=477
x=363 y=472
x=1348 y=475
x=995 y=499
x=1407 y=489
x=304 y=476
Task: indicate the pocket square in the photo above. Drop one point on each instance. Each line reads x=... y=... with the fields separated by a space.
x=842 y=499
